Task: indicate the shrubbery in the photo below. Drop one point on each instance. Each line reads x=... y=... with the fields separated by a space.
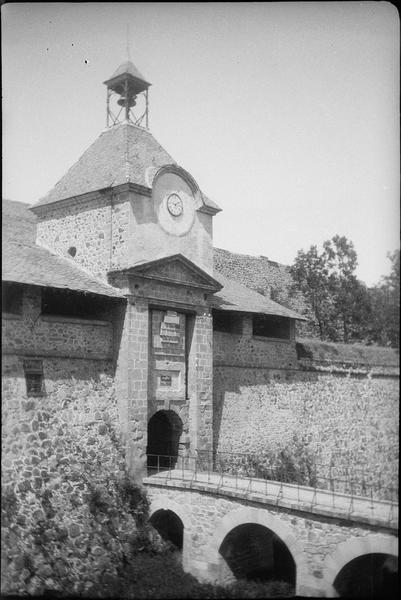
x=160 y=575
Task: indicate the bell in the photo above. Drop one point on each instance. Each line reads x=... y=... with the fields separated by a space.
x=130 y=101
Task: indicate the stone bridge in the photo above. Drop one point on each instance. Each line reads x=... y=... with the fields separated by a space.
x=323 y=543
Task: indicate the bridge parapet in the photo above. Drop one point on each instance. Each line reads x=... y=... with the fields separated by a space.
x=297 y=498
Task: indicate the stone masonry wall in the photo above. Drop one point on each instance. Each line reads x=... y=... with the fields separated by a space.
x=97 y=227
x=60 y=452
x=348 y=422
x=233 y=350
x=36 y=334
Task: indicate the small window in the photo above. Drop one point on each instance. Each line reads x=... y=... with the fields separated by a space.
x=227 y=322
x=35 y=385
x=72 y=251
x=271 y=327
x=11 y=298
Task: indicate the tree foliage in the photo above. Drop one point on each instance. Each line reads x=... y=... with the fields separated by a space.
x=343 y=308
x=385 y=306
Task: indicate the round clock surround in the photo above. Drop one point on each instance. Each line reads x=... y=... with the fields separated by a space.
x=175 y=205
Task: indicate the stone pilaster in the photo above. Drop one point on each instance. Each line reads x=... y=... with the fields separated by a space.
x=132 y=385
x=203 y=339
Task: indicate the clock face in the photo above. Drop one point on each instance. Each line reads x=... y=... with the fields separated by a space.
x=174 y=205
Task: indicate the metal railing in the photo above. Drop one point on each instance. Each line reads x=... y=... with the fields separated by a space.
x=354 y=482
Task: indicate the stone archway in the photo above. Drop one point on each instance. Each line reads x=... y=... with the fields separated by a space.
x=354 y=548
x=216 y=565
x=166 y=504
x=164 y=432
x=169 y=526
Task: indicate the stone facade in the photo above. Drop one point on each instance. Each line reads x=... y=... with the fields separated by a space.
x=138 y=373
x=153 y=352
x=112 y=230
x=35 y=334
x=265 y=403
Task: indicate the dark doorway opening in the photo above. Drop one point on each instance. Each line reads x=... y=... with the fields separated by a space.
x=255 y=553
x=169 y=526
x=369 y=576
x=164 y=432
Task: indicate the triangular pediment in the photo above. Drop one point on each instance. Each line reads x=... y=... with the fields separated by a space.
x=175 y=269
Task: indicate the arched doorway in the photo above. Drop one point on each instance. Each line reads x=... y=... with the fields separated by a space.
x=368 y=576
x=169 y=526
x=164 y=432
x=256 y=553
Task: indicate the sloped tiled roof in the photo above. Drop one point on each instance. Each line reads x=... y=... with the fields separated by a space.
x=124 y=153
x=25 y=262
x=121 y=154
x=18 y=223
x=237 y=297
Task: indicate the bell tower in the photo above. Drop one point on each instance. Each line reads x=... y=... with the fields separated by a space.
x=127 y=96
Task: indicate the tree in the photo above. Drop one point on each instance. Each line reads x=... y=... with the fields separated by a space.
x=385 y=306
x=349 y=295
x=311 y=275
x=339 y=301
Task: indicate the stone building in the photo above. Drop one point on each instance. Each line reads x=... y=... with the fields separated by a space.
x=113 y=275
x=121 y=321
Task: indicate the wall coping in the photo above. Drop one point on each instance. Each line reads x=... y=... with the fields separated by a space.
x=29 y=352
x=11 y=316
x=78 y=320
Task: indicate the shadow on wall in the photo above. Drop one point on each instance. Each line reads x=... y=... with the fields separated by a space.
x=232 y=380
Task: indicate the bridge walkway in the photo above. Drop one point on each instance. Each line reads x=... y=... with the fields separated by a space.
x=293 y=497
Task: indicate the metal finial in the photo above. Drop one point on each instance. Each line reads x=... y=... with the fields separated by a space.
x=128 y=48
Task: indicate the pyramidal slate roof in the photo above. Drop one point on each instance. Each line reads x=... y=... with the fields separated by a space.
x=25 y=262
x=130 y=68
x=124 y=153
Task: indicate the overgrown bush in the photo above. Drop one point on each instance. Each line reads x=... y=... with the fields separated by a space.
x=292 y=464
x=161 y=576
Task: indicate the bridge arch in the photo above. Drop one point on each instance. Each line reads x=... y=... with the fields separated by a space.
x=354 y=548
x=167 y=504
x=254 y=516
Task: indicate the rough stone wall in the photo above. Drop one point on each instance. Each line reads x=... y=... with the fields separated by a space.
x=56 y=448
x=84 y=224
x=316 y=538
x=234 y=350
x=34 y=334
x=349 y=422
x=269 y=278
x=114 y=230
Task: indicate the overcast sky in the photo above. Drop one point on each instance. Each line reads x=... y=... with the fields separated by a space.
x=285 y=113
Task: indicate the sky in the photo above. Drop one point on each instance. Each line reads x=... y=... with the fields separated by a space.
x=286 y=114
